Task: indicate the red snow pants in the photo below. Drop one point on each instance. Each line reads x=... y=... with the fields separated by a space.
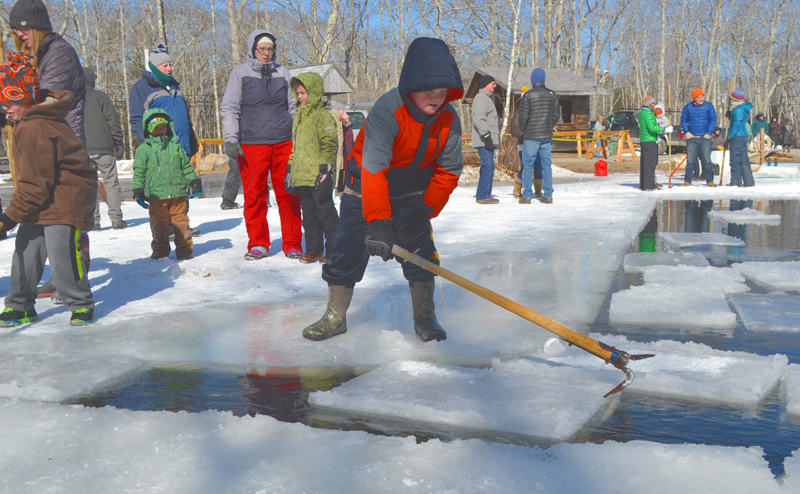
x=258 y=162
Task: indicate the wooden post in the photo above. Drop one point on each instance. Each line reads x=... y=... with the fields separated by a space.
x=579 y=143
x=625 y=144
x=592 y=147
x=669 y=97
x=761 y=150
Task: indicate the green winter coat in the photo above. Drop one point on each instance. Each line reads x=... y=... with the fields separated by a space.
x=314 y=137
x=161 y=166
x=648 y=128
x=755 y=129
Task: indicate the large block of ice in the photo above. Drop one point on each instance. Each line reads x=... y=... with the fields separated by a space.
x=635 y=262
x=726 y=279
x=685 y=239
x=780 y=275
x=746 y=215
x=74 y=450
x=469 y=399
x=55 y=377
x=792 y=378
x=742 y=253
x=768 y=312
x=689 y=371
x=672 y=306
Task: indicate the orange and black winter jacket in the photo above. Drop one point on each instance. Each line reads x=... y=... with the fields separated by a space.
x=401 y=150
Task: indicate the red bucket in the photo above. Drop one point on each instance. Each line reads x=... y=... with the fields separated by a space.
x=600 y=169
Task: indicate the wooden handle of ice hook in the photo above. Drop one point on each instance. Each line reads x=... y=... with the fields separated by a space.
x=611 y=355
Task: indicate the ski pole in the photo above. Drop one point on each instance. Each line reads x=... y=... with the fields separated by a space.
x=609 y=354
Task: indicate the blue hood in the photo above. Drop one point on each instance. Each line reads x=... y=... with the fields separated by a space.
x=538 y=76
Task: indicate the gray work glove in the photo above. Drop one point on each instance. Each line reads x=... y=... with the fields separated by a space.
x=233 y=150
x=120 y=151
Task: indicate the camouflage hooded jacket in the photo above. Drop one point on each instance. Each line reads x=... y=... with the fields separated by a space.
x=161 y=166
x=314 y=137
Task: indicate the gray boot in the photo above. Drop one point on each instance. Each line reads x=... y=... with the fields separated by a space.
x=334 y=321
x=425 y=324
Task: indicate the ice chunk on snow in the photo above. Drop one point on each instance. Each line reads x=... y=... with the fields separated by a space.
x=690 y=371
x=780 y=275
x=741 y=253
x=470 y=399
x=672 y=306
x=56 y=377
x=684 y=239
x=792 y=379
x=768 y=312
x=726 y=279
x=82 y=450
x=637 y=261
x=746 y=215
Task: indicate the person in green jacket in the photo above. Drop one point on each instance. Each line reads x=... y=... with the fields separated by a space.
x=311 y=165
x=162 y=179
x=759 y=123
x=648 y=141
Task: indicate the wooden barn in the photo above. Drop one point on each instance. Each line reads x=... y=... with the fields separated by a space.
x=574 y=94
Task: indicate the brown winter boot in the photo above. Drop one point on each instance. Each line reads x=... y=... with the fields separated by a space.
x=334 y=321
x=518 y=188
x=425 y=324
x=537 y=188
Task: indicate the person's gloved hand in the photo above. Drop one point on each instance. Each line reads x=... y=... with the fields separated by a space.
x=138 y=196
x=669 y=129
x=707 y=136
x=6 y=223
x=233 y=149
x=688 y=135
x=727 y=143
x=195 y=188
x=120 y=152
x=287 y=181
x=380 y=239
x=324 y=172
x=413 y=225
x=487 y=141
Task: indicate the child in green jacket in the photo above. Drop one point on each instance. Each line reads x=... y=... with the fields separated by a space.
x=311 y=164
x=162 y=179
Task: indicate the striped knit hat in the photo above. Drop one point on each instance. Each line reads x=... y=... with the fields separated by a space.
x=155 y=122
x=648 y=100
x=738 y=95
x=19 y=82
x=159 y=55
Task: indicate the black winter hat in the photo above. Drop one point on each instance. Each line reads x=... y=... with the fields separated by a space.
x=30 y=13
x=485 y=80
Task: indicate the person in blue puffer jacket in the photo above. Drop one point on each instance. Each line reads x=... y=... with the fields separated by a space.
x=737 y=140
x=698 y=121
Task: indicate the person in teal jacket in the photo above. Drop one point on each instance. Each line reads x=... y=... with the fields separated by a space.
x=737 y=139
x=759 y=123
x=163 y=177
x=648 y=141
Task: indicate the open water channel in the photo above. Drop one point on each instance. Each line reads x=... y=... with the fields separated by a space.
x=283 y=393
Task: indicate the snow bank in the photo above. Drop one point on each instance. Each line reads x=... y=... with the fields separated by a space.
x=792 y=379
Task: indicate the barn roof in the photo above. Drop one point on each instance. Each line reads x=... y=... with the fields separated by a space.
x=562 y=81
x=335 y=82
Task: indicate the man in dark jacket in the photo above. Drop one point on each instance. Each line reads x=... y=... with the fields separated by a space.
x=257 y=111
x=105 y=145
x=158 y=89
x=698 y=121
x=539 y=112
x=403 y=168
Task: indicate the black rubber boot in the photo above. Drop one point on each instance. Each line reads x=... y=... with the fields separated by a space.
x=425 y=324
x=334 y=321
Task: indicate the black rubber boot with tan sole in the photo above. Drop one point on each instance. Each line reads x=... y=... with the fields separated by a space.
x=334 y=321
x=425 y=324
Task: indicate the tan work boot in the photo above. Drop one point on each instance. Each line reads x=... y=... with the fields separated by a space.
x=425 y=324
x=517 y=187
x=334 y=321
x=537 y=188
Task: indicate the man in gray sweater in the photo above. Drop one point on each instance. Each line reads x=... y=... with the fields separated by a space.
x=105 y=146
x=485 y=137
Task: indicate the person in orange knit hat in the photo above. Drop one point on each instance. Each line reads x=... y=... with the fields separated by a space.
x=698 y=121
x=54 y=199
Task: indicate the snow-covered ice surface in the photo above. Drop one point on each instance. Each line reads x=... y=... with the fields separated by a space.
x=735 y=253
x=443 y=397
x=746 y=215
x=220 y=310
x=686 y=239
x=690 y=371
x=776 y=311
x=76 y=450
x=679 y=296
x=778 y=275
x=792 y=379
x=636 y=262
